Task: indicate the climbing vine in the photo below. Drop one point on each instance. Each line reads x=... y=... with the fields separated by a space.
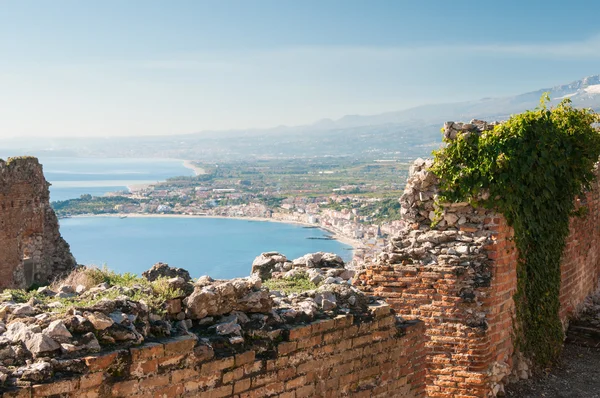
x=531 y=168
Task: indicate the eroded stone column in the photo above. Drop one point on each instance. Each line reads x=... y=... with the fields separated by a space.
x=31 y=247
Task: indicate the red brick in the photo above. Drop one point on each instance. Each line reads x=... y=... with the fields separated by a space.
x=125 y=388
x=55 y=388
x=180 y=345
x=101 y=362
x=147 y=351
x=246 y=357
x=241 y=385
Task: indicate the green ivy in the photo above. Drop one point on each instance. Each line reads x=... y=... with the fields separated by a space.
x=533 y=166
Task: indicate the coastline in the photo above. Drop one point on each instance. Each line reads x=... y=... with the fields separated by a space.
x=355 y=244
x=188 y=164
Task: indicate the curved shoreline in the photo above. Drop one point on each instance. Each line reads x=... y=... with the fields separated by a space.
x=355 y=244
x=188 y=164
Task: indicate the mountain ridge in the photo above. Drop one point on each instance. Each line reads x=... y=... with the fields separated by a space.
x=582 y=92
x=401 y=134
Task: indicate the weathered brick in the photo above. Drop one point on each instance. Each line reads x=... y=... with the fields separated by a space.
x=101 y=362
x=183 y=374
x=91 y=380
x=246 y=357
x=180 y=345
x=241 y=385
x=286 y=347
x=147 y=351
x=24 y=392
x=153 y=382
x=141 y=369
x=300 y=332
x=305 y=391
x=233 y=375
x=55 y=388
x=170 y=360
x=125 y=388
x=217 y=365
x=171 y=391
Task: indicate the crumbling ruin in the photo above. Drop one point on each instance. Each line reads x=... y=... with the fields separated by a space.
x=215 y=337
x=432 y=317
x=455 y=269
x=32 y=250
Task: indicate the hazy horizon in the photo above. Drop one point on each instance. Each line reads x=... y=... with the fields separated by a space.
x=75 y=69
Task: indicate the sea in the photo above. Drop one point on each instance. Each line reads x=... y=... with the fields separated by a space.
x=221 y=248
x=218 y=247
x=73 y=177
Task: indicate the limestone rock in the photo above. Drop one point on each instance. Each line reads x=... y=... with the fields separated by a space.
x=346 y=296
x=319 y=260
x=17 y=332
x=58 y=331
x=36 y=372
x=223 y=297
x=41 y=344
x=163 y=270
x=326 y=300
x=264 y=265
x=78 y=324
x=99 y=320
x=23 y=309
x=228 y=327
x=89 y=342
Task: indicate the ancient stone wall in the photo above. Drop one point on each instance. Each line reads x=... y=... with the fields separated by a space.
x=459 y=278
x=580 y=267
x=336 y=357
x=31 y=248
x=444 y=277
x=448 y=333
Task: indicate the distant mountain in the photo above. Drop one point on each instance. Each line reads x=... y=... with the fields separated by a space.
x=398 y=135
x=584 y=93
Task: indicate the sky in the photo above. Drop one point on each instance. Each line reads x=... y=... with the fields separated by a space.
x=116 y=68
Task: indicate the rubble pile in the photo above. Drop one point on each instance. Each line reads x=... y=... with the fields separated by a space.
x=449 y=233
x=326 y=268
x=441 y=237
x=56 y=327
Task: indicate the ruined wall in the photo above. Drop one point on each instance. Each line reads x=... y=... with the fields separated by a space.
x=31 y=248
x=445 y=277
x=453 y=285
x=460 y=277
x=327 y=358
x=580 y=267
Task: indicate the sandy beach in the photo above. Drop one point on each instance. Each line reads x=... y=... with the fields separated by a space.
x=356 y=244
x=190 y=165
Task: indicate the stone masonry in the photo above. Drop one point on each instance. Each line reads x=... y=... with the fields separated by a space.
x=459 y=278
x=335 y=357
x=446 y=329
x=31 y=247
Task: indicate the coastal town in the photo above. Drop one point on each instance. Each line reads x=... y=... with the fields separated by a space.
x=351 y=213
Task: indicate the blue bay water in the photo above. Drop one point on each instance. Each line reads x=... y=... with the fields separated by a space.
x=73 y=177
x=221 y=248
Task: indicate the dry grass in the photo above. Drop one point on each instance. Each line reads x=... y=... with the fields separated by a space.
x=86 y=276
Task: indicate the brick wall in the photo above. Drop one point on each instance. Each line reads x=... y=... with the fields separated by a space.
x=469 y=337
x=580 y=267
x=28 y=227
x=328 y=358
x=465 y=332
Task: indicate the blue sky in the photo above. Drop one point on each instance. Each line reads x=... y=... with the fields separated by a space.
x=82 y=68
